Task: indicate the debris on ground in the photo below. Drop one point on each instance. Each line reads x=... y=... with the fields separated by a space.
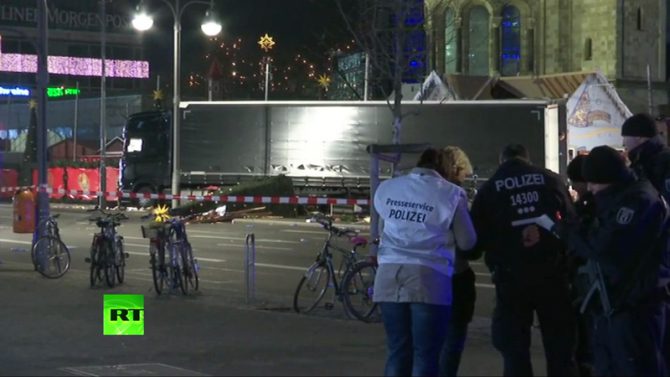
x=218 y=215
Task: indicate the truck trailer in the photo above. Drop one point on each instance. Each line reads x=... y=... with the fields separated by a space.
x=321 y=145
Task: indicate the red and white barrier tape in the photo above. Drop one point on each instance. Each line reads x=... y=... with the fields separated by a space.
x=206 y=198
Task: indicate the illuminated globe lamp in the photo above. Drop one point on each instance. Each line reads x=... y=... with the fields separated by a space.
x=210 y=25
x=142 y=21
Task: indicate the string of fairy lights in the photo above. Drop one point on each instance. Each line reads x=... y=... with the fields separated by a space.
x=303 y=74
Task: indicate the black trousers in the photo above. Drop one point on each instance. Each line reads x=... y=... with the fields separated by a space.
x=584 y=349
x=629 y=343
x=516 y=302
x=666 y=346
x=462 y=310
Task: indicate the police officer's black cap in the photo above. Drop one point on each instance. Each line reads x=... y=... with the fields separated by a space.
x=575 y=169
x=642 y=125
x=604 y=165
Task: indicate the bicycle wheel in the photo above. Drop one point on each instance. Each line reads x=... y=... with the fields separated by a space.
x=175 y=278
x=311 y=288
x=107 y=259
x=56 y=257
x=120 y=261
x=32 y=256
x=96 y=270
x=181 y=266
x=189 y=267
x=158 y=272
x=174 y=268
x=357 y=291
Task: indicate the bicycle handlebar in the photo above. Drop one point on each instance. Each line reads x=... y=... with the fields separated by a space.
x=109 y=214
x=108 y=217
x=327 y=224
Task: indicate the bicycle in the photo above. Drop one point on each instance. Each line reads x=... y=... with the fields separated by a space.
x=107 y=255
x=356 y=288
x=50 y=248
x=181 y=269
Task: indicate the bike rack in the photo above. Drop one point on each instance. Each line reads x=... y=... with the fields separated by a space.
x=250 y=267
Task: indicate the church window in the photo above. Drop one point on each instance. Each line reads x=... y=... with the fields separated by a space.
x=588 y=49
x=451 y=44
x=510 y=54
x=478 y=41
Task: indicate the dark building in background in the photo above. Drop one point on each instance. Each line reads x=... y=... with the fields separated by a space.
x=399 y=24
x=74 y=50
x=414 y=50
x=348 y=77
x=75 y=32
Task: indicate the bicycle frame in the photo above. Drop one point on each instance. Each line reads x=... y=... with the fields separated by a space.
x=170 y=237
x=50 y=227
x=107 y=233
x=41 y=249
x=348 y=258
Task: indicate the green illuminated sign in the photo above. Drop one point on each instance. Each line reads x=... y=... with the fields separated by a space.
x=123 y=315
x=61 y=92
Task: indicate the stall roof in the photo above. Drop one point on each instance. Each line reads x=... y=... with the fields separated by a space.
x=471 y=87
x=555 y=86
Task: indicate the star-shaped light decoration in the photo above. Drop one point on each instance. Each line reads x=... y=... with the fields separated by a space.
x=266 y=43
x=32 y=104
x=324 y=81
x=161 y=214
x=158 y=95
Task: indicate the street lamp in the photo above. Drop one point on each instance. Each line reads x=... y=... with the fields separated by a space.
x=211 y=27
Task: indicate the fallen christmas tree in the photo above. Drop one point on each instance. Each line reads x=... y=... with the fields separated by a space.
x=206 y=211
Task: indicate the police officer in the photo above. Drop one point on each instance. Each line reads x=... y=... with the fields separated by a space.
x=527 y=262
x=585 y=211
x=650 y=159
x=622 y=250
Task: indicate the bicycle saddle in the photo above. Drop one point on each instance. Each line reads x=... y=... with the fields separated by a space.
x=359 y=241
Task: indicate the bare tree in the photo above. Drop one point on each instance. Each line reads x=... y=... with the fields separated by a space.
x=392 y=34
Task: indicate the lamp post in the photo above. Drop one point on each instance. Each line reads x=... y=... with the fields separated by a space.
x=42 y=83
x=103 y=106
x=142 y=21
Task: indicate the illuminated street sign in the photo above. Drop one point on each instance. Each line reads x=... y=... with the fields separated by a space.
x=14 y=92
x=55 y=92
x=52 y=92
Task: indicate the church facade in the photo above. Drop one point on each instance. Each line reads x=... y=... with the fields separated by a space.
x=624 y=39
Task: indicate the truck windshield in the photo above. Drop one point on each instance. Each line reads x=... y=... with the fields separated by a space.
x=155 y=123
x=147 y=136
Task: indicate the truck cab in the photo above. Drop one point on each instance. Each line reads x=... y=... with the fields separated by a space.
x=147 y=153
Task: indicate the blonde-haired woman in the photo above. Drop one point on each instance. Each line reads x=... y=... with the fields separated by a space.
x=425 y=217
x=456 y=168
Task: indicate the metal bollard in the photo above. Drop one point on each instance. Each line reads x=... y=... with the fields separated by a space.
x=250 y=267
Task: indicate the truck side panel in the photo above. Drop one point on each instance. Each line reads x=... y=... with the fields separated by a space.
x=329 y=140
x=227 y=139
x=480 y=130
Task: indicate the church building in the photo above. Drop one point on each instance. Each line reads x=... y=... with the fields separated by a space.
x=626 y=40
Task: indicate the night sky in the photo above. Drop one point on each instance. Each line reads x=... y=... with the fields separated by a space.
x=309 y=27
